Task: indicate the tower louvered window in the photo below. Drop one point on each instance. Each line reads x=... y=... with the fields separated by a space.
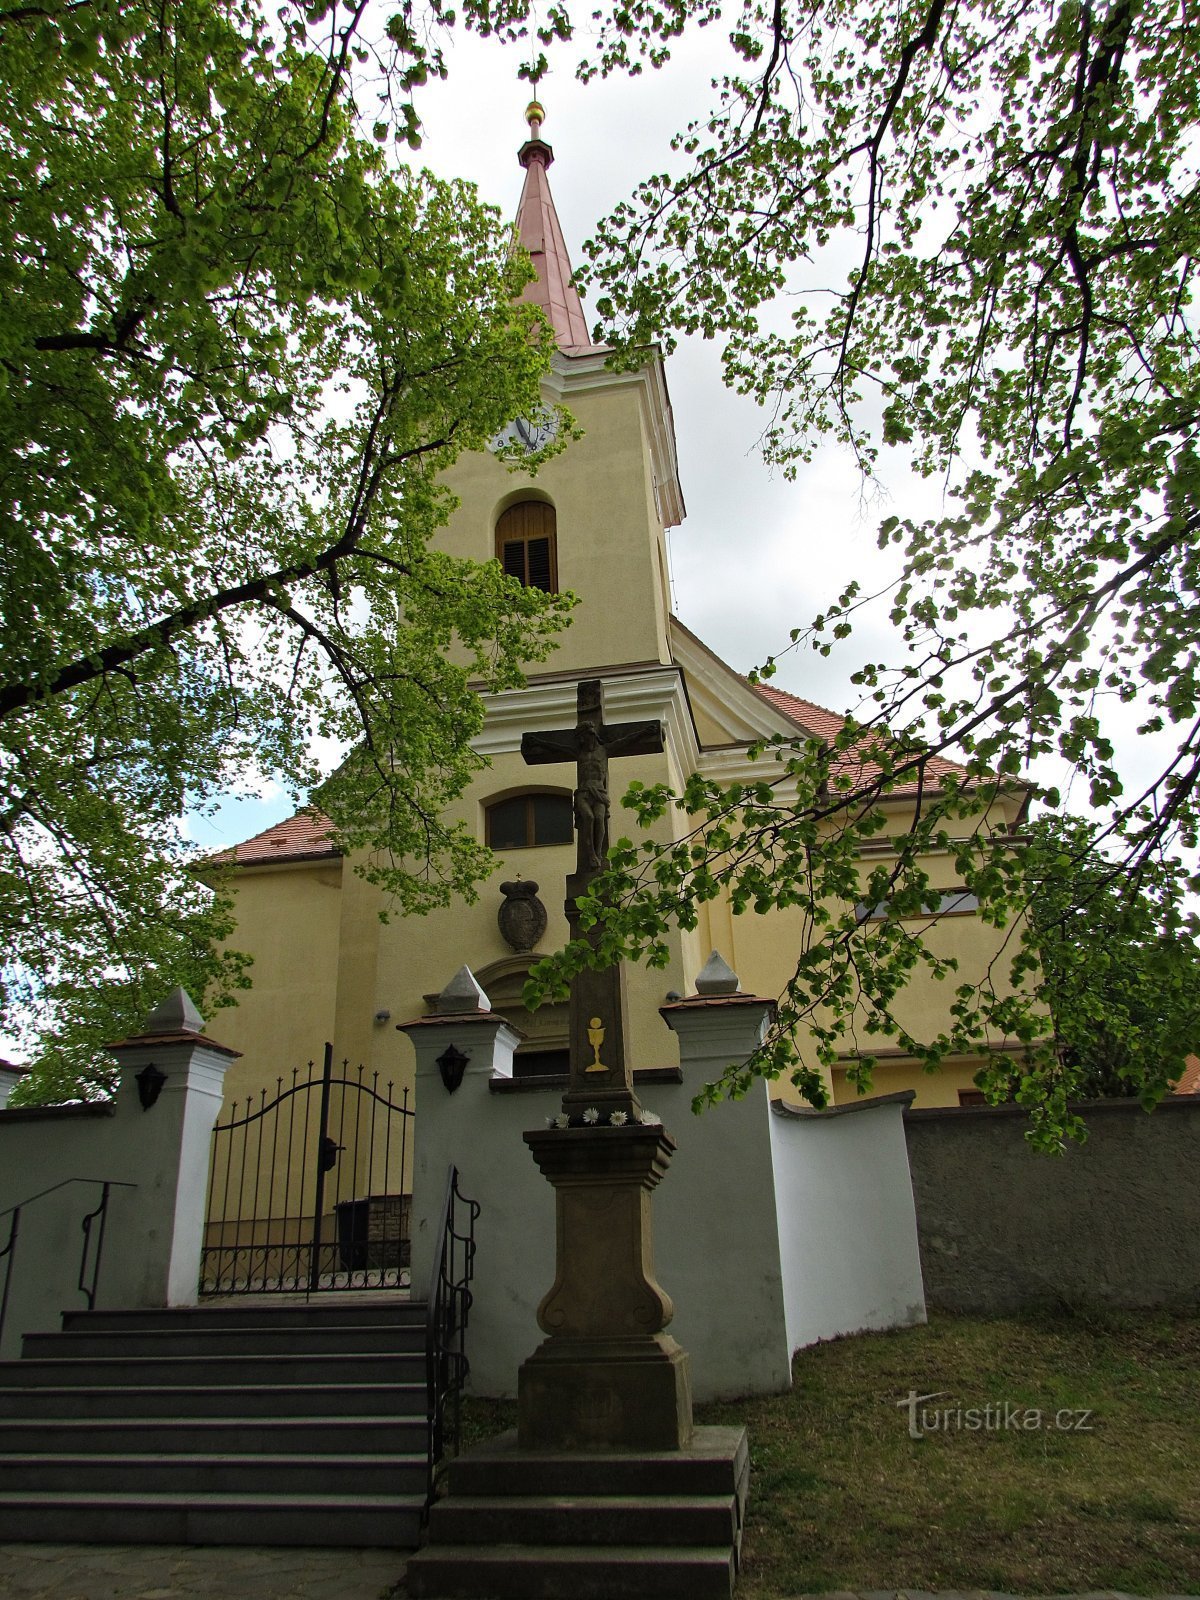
x=525 y=544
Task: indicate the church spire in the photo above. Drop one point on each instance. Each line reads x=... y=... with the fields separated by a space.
x=539 y=231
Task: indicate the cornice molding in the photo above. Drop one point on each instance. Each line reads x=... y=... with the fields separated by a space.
x=651 y=694
x=576 y=374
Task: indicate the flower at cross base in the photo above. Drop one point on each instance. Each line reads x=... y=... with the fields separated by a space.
x=591 y=1116
x=562 y=1120
x=619 y=1119
x=650 y=1119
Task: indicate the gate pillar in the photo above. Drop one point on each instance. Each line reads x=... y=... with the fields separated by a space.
x=463 y=1041
x=172 y=1080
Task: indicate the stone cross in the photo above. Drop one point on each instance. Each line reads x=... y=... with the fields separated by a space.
x=590 y=744
x=600 y=1074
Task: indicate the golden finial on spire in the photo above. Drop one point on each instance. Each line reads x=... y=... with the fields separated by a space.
x=535 y=147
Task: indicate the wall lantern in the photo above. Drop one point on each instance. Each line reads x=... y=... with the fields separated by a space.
x=150 y=1083
x=452 y=1064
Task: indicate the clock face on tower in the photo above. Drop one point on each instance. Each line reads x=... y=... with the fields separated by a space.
x=528 y=434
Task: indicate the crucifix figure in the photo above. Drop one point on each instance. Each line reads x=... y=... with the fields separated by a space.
x=600 y=1074
x=591 y=802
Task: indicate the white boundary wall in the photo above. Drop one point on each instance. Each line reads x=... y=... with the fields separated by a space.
x=154 y=1229
x=848 y=1224
x=768 y=1233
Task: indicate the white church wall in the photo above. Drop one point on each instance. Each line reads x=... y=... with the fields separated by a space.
x=847 y=1220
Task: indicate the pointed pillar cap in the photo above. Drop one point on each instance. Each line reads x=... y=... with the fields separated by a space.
x=716 y=977
x=174 y=1020
x=462 y=993
x=176 y=1014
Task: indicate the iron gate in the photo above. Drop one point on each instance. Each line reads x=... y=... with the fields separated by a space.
x=310 y=1190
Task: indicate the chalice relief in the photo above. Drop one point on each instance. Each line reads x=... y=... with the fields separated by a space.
x=595 y=1035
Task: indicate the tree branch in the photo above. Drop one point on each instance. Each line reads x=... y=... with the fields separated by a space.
x=19 y=696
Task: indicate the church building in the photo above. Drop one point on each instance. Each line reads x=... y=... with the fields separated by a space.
x=592 y=521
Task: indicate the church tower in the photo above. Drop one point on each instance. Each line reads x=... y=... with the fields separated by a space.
x=594 y=519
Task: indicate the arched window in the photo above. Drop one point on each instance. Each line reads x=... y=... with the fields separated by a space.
x=526 y=544
x=528 y=819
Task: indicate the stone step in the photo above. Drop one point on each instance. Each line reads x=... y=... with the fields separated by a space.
x=252 y=1311
x=184 y=1339
x=552 y=1572
x=185 y=1419
x=716 y=1462
x=207 y=1370
x=590 y=1520
x=69 y=1401
x=181 y=1474
x=222 y=1435
x=385 y=1521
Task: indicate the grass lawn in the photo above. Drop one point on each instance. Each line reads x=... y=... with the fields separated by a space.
x=841 y=1497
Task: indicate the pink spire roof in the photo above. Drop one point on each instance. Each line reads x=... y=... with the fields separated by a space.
x=539 y=231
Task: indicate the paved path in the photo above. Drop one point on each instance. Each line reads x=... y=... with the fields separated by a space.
x=191 y=1572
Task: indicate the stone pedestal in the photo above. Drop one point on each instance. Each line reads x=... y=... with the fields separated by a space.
x=607 y=1377
x=581 y=1395
x=540 y=1524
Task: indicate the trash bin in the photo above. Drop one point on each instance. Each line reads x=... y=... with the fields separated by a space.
x=353 y=1223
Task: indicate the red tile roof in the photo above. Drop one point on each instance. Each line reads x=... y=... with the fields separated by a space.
x=1189 y=1082
x=826 y=725
x=303 y=837
x=812 y=718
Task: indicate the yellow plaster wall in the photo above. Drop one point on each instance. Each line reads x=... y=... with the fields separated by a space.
x=358 y=1038
x=938 y=1088
x=608 y=532
x=762 y=950
x=289 y=920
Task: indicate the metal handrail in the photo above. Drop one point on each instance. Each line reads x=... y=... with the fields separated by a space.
x=88 y=1290
x=113 y=1183
x=446 y=1311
